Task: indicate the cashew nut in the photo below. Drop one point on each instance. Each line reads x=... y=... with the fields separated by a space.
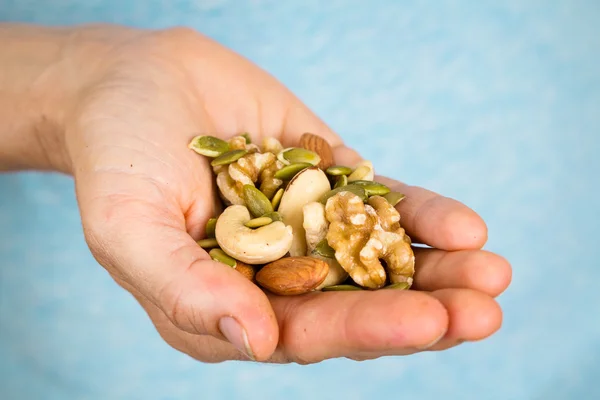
x=252 y=246
x=315 y=224
x=316 y=227
x=362 y=171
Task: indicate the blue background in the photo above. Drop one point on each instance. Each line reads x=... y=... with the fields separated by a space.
x=494 y=103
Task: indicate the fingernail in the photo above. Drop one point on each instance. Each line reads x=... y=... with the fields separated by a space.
x=433 y=343
x=236 y=335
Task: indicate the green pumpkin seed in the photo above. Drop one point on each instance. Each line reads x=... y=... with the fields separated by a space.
x=297 y=155
x=394 y=198
x=258 y=222
x=275 y=216
x=289 y=171
x=258 y=204
x=362 y=182
x=229 y=157
x=209 y=146
x=208 y=243
x=281 y=158
x=222 y=257
x=342 y=180
x=359 y=173
x=356 y=189
x=211 y=226
x=373 y=188
x=323 y=249
x=341 y=288
x=338 y=170
x=277 y=198
x=398 y=285
x=246 y=135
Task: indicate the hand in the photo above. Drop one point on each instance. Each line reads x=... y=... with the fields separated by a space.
x=145 y=198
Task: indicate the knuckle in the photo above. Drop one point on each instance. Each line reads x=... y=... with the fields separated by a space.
x=180 y=32
x=175 y=37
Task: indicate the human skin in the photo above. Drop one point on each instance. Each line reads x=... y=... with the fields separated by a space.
x=115 y=108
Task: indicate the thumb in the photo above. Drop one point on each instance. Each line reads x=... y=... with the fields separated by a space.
x=149 y=248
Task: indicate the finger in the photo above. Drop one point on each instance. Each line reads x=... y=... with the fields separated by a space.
x=428 y=217
x=436 y=220
x=204 y=348
x=327 y=325
x=150 y=248
x=465 y=269
x=473 y=316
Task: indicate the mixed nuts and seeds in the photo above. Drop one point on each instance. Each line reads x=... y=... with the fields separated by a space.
x=295 y=222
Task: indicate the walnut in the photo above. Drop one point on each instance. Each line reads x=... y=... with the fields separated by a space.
x=239 y=143
x=217 y=169
x=268 y=183
x=363 y=235
x=229 y=190
x=271 y=145
x=247 y=169
x=401 y=259
x=252 y=169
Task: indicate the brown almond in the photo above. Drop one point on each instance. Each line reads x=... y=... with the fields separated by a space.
x=320 y=146
x=245 y=269
x=292 y=275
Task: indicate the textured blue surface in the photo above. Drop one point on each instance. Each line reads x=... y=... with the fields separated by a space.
x=494 y=103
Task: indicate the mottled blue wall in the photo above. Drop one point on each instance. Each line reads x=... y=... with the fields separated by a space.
x=494 y=103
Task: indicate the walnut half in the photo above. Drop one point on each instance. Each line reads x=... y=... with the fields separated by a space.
x=251 y=169
x=364 y=234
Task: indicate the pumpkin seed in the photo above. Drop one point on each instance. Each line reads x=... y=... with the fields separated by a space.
x=281 y=158
x=342 y=180
x=297 y=155
x=341 y=288
x=338 y=170
x=359 y=173
x=209 y=146
x=211 y=226
x=373 y=188
x=208 y=243
x=246 y=135
x=275 y=216
x=398 y=285
x=277 y=198
x=222 y=257
x=323 y=249
x=289 y=171
x=229 y=157
x=394 y=198
x=356 y=189
x=258 y=222
x=258 y=204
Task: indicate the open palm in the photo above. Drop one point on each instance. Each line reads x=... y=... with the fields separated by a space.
x=145 y=199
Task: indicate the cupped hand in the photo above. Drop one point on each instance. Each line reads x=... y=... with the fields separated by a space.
x=145 y=199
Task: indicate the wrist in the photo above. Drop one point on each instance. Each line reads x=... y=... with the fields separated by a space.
x=43 y=73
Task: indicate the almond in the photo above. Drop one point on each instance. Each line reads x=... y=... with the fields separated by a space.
x=320 y=146
x=245 y=269
x=292 y=275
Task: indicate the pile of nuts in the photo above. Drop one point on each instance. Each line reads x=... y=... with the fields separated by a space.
x=294 y=222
